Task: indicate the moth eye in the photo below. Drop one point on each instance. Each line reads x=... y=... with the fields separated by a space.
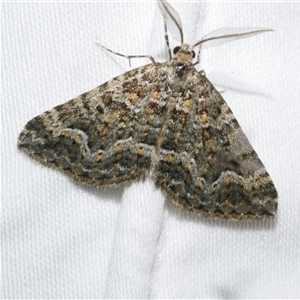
x=193 y=54
x=176 y=49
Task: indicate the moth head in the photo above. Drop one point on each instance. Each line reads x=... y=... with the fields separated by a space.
x=184 y=49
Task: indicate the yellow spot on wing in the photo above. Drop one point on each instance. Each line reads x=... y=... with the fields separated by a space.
x=190 y=167
x=84 y=153
x=133 y=98
x=141 y=151
x=227 y=179
x=204 y=117
x=77 y=138
x=169 y=158
x=112 y=118
x=118 y=148
x=98 y=157
x=187 y=104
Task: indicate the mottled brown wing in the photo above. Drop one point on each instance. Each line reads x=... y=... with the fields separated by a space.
x=206 y=163
x=104 y=137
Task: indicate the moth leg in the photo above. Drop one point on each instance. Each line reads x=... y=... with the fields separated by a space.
x=129 y=57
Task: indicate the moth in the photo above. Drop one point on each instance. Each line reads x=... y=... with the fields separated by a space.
x=163 y=120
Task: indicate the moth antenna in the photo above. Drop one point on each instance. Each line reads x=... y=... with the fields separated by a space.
x=167 y=40
x=225 y=35
x=171 y=19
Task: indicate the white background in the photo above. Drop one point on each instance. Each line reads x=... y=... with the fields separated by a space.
x=64 y=241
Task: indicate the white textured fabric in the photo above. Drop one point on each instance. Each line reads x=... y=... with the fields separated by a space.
x=65 y=241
